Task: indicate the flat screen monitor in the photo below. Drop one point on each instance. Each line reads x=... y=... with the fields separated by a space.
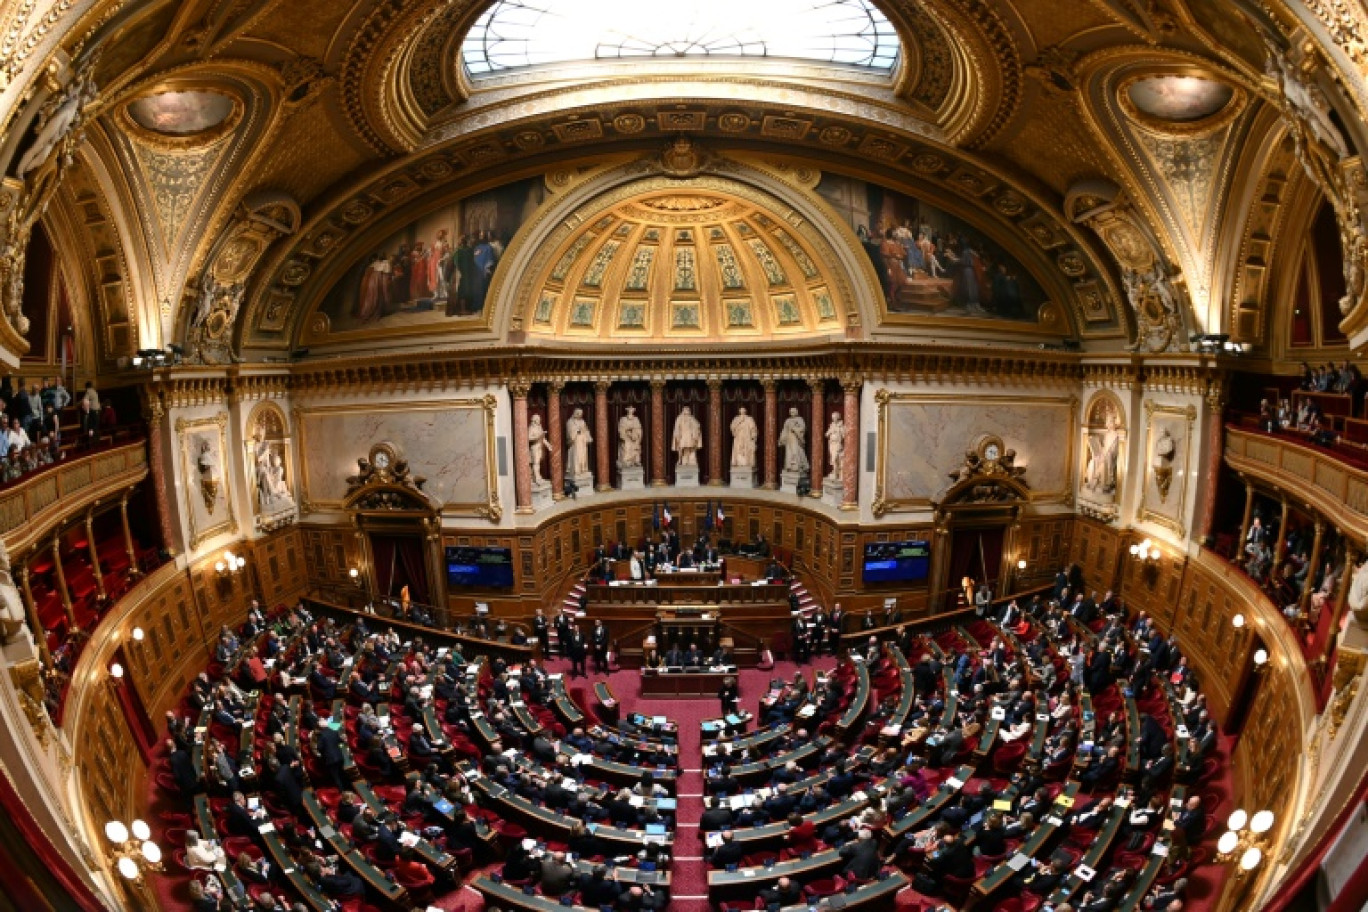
x=897 y=562
x=485 y=568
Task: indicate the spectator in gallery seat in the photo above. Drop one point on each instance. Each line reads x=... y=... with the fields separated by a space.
x=730 y=852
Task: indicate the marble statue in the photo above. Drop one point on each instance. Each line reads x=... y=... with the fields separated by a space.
x=208 y=475
x=744 y=436
x=577 y=440
x=12 y=616
x=791 y=439
x=1104 y=454
x=688 y=438
x=272 y=489
x=1358 y=594
x=537 y=446
x=57 y=124
x=835 y=437
x=1165 y=447
x=629 y=439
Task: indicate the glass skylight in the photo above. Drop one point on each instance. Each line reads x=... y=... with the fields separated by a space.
x=513 y=34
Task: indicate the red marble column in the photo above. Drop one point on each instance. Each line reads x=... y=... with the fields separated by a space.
x=658 y=432
x=771 y=434
x=156 y=460
x=850 y=461
x=817 y=430
x=522 y=469
x=602 y=446
x=714 y=440
x=555 y=433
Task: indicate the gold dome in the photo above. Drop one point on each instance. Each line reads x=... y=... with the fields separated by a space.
x=686 y=264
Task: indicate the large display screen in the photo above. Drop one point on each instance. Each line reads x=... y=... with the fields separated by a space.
x=482 y=567
x=897 y=562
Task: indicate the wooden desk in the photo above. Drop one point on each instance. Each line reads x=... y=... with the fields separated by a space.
x=601 y=595
x=1044 y=831
x=858 y=703
x=931 y=806
x=683 y=683
x=746 y=882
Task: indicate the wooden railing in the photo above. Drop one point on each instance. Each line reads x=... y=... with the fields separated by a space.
x=32 y=506
x=1313 y=474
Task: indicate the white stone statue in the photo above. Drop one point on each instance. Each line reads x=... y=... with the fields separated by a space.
x=688 y=438
x=835 y=437
x=276 y=486
x=54 y=127
x=629 y=439
x=12 y=616
x=537 y=446
x=1104 y=454
x=791 y=439
x=744 y=436
x=577 y=440
x=1358 y=594
x=209 y=476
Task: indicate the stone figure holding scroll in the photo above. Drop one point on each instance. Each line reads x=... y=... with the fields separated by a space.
x=629 y=439
x=688 y=438
x=791 y=439
x=744 y=437
x=537 y=447
x=577 y=440
x=835 y=437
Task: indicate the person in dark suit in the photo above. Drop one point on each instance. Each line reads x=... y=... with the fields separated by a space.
x=1192 y=820
x=285 y=780
x=717 y=817
x=730 y=696
x=598 y=637
x=329 y=748
x=729 y=852
x=542 y=630
x=575 y=648
x=183 y=769
x=951 y=858
x=785 y=892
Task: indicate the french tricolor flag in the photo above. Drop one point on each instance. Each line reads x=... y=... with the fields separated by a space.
x=666 y=516
x=721 y=517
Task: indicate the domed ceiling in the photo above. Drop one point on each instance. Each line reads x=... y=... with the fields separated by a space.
x=682 y=265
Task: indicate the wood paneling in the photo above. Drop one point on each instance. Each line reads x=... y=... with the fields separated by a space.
x=1095 y=549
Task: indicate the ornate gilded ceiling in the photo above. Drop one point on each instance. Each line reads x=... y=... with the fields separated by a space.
x=361 y=116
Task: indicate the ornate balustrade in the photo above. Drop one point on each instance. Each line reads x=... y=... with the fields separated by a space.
x=1336 y=488
x=33 y=506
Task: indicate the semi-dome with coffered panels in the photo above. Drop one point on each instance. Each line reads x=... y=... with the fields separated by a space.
x=444 y=298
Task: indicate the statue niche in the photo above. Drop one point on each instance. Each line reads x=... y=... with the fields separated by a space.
x=1104 y=439
x=268 y=469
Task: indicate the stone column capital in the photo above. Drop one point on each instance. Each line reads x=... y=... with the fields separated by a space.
x=519 y=389
x=658 y=383
x=602 y=386
x=714 y=383
x=769 y=384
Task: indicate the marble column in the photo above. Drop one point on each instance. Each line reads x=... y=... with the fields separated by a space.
x=555 y=431
x=817 y=433
x=133 y=570
x=657 y=432
x=94 y=554
x=850 y=459
x=35 y=625
x=603 y=447
x=715 y=432
x=156 y=458
x=62 y=590
x=1313 y=566
x=771 y=434
x=522 y=469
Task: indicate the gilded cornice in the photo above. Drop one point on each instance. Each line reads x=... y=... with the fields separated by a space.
x=188 y=387
x=297 y=273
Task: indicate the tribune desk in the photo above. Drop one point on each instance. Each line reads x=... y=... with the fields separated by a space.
x=701 y=683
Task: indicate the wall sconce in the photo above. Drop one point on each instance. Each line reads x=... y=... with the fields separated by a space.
x=1244 y=840
x=138 y=634
x=355 y=576
x=136 y=855
x=1145 y=551
x=1260 y=661
x=230 y=564
x=1021 y=564
x=1238 y=621
x=116 y=673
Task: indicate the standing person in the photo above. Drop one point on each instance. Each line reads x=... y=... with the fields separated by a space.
x=90 y=412
x=543 y=633
x=575 y=649
x=730 y=696
x=599 y=640
x=563 y=633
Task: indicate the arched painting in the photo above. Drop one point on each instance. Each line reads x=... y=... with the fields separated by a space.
x=930 y=262
x=435 y=269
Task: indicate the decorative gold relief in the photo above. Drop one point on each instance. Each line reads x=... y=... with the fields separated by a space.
x=1168 y=436
x=204 y=469
x=27 y=680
